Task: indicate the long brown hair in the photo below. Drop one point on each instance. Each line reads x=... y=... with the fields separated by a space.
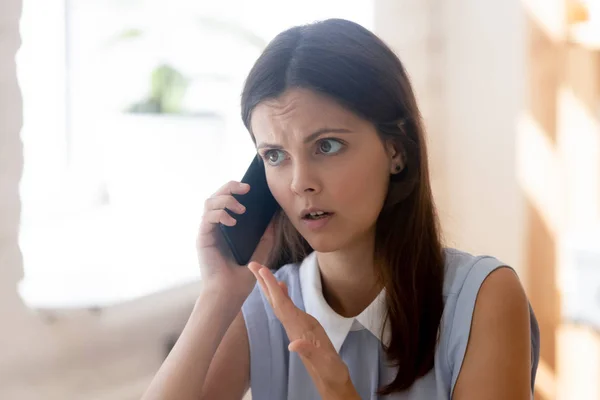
x=351 y=65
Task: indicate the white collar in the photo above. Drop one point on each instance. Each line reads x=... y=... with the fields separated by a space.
x=335 y=325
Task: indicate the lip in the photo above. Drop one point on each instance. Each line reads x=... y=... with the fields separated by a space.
x=306 y=211
x=315 y=224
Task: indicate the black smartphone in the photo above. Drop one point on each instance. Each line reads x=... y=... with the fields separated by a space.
x=260 y=204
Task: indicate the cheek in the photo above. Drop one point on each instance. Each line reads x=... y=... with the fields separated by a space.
x=280 y=188
x=362 y=190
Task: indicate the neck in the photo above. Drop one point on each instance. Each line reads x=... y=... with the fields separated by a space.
x=348 y=277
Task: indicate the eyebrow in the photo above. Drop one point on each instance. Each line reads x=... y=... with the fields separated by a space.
x=308 y=139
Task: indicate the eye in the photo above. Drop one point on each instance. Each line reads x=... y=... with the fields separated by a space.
x=329 y=146
x=274 y=157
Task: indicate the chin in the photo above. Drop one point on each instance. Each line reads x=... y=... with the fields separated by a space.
x=324 y=247
x=324 y=243
x=335 y=240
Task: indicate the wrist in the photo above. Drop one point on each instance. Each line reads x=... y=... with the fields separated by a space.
x=343 y=389
x=218 y=299
x=347 y=391
x=220 y=291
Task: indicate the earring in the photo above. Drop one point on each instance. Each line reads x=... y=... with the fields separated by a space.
x=398 y=168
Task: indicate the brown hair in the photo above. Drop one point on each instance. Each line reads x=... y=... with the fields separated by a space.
x=351 y=65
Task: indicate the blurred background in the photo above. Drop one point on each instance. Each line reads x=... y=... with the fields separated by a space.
x=118 y=117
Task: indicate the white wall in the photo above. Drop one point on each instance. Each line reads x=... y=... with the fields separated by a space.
x=484 y=64
x=467 y=62
x=413 y=29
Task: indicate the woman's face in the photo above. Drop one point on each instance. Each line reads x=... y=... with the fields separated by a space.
x=327 y=168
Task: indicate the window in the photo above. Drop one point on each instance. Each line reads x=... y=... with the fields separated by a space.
x=131 y=119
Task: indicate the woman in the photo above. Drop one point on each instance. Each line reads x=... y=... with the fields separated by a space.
x=360 y=300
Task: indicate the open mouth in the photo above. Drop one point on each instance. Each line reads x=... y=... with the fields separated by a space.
x=316 y=215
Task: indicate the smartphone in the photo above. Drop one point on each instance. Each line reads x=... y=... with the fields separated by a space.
x=244 y=236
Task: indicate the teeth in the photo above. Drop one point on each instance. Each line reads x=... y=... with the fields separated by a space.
x=317 y=213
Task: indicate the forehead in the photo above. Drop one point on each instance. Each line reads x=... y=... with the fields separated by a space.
x=298 y=113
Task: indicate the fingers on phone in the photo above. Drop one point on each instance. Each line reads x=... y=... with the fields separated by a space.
x=226 y=219
x=223 y=198
x=216 y=206
x=224 y=202
x=235 y=206
x=213 y=217
x=232 y=187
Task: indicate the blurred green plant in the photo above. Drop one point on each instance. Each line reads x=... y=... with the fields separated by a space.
x=168 y=85
x=167 y=91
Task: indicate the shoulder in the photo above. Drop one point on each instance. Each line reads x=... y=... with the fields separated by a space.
x=481 y=280
x=501 y=307
x=485 y=305
x=461 y=268
x=465 y=273
x=500 y=330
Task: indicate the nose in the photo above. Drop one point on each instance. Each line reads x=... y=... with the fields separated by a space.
x=304 y=179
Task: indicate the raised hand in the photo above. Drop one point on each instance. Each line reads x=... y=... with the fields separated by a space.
x=307 y=338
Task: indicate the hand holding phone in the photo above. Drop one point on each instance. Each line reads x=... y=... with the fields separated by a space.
x=244 y=237
x=240 y=229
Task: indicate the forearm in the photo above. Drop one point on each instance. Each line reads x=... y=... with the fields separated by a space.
x=341 y=388
x=183 y=373
x=348 y=392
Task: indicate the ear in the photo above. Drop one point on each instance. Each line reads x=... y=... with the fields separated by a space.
x=396 y=156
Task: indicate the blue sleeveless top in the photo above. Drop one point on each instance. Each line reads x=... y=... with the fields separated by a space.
x=277 y=374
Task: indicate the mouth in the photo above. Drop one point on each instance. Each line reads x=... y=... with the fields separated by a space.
x=315 y=215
